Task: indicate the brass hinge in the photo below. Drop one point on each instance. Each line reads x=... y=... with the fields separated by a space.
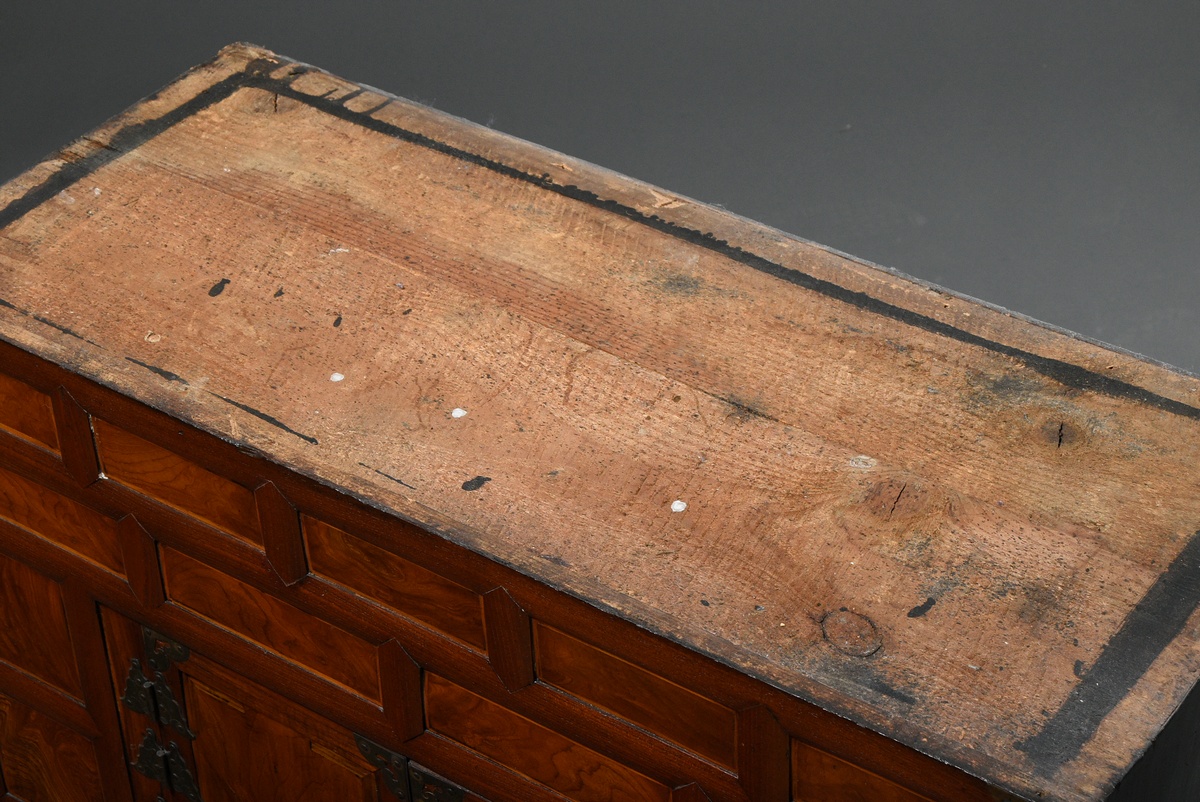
x=166 y=765
x=409 y=781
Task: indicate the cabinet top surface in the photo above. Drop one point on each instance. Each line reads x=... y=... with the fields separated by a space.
x=960 y=528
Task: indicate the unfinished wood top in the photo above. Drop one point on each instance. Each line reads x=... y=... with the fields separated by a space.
x=957 y=527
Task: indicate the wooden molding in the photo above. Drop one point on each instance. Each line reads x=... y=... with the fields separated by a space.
x=509 y=639
x=281 y=534
x=75 y=439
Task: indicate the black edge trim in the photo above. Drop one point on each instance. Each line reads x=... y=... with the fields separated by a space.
x=265 y=417
x=1148 y=629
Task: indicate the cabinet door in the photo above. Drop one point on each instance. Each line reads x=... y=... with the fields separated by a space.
x=43 y=760
x=198 y=731
x=52 y=745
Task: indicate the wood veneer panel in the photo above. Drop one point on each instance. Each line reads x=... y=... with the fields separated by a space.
x=33 y=627
x=175 y=481
x=271 y=623
x=650 y=701
x=43 y=761
x=394 y=581
x=819 y=777
x=61 y=520
x=27 y=412
x=537 y=752
x=243 y=753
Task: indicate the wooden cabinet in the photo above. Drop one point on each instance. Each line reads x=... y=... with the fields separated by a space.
x=348 y=451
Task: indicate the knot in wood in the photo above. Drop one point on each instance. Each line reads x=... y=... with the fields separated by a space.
x=851 y=633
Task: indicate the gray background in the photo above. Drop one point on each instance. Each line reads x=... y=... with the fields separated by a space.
x=1041 y=156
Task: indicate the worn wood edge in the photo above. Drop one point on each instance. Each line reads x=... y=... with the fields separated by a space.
x=231 y=60
x=96 y=367
x=972 y=315
x=622 y=741
x=453 y=532
x=248 y=563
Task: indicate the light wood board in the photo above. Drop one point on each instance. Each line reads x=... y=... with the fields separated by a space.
x=960 y=528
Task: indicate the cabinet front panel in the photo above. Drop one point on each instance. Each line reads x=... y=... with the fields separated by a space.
x=43 y=761
x=176 y=482
x=33 y=627
x=533 y=750
x=27 y=413
x=818 y=777
x=242 y=754
x=314 y=644
x=398 y=583
x=654 y=703
x=66 y=522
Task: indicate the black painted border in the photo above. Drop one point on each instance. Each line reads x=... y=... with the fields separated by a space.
x=1153 y=624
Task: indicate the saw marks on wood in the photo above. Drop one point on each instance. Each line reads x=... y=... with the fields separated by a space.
x=941 y=521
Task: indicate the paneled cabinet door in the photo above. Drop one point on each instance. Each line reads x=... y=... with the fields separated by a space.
x=51 y=747
x=196 y=731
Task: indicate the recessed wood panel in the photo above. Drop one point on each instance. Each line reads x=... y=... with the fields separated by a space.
x=175 y=481
x=531 y=749
x=66 y=522
x=43 y=761
x=314 y=644
x=394 y=581
x=819 y=776
x=648 y=700
x=242 y=753
x=27 y=412
x=33 y=626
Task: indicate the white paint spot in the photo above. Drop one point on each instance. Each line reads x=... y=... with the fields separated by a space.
x=862 y=461
x=96 y=191
x=65 y=198
x=339 y=250
x=458 y=412
x=678 y=506
x=336 y=377
x=226 y=169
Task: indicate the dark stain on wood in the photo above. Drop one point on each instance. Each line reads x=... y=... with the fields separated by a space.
x=476 y=483
x=1156 y=620
x=166 y=374
x=922 y=608
x=278 y=424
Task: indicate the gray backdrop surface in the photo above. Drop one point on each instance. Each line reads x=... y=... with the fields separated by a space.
x=1041 y=156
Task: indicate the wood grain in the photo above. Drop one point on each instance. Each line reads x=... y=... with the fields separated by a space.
x=271 y=623
x=400 y=690
x=535 y=751
x=762 y=755
x=43 y=761
x=139 y=553
x=280 y=525
x=33 y=627
x=67 y=523
x=509 y=639
x=27 y=412
x=75 y=438
x=818 y=776
x=658 y=705
x=929 y=517
x=400 y=584
x=246 y=754
x=175 y=481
